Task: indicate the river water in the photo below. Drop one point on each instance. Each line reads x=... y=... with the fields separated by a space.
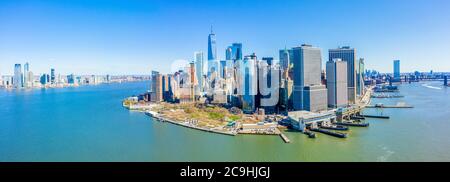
x=88 y=123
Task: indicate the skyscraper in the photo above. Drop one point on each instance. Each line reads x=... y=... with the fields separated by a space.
x=360 y=77
x=285 y=58
x=26 y=78
x=337 y=83
x=269 y=60
x=18 y=76
x=348 y=55
x=156 y=87
x=200 y=71
x=397 y=70
x=212 y=51
x=228 y=53
x=248 y=83
x=52 y=76
x=236 y=51
x=309 y=93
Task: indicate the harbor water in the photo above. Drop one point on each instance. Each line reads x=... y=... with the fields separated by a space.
x=88 y=123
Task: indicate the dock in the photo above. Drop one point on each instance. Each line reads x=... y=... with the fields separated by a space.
x=335 y=134
x=285 y=138
x=383 y=106
x=375 y=116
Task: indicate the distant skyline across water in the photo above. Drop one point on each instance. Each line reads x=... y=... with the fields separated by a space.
x=135 y=37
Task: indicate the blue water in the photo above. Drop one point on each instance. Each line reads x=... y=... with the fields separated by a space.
x=88 y=123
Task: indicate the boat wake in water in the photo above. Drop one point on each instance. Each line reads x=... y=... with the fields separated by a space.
x=432 y=87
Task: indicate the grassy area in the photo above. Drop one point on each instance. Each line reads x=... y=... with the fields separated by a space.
x=216 y=116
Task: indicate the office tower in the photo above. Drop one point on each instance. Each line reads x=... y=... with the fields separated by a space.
x=44 y=79
x=308 y=94
x=223 y=69
x=18 y=76
x=53 y=76
x=397 y=70
x=348 y=55
x=108 y=78
x=193 y=80
x=229 y=53
x=269 y=60
x=247 y=82
x=70 y=79
x=156 y=87
x=26 y=78
x=212 y=51
x=360 y=77
x=445 y=81
x=285 y=56
x=200 y=71
x=337 y=83
x=236 y=51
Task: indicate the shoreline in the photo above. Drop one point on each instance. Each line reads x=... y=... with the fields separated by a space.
x=230 y=133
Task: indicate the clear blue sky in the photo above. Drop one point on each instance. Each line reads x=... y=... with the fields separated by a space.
x=128 y=37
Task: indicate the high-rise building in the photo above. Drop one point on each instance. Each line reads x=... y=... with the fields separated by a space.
x=156 y=87
x=52 y=76
x=397 y=70
x=248 y=83
x=285 y=58
x=229 y=53
x=18 y=76
x=308 y=93
x=236 y=51
x=212 y=51
x=26 y=75
x=269 y=60
x=348 y=55
x=71 y=79
x=360 y=72
x=337 y=83
x=44 y=79
x=200 y=71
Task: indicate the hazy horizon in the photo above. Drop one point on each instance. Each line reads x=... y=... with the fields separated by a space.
x=134 y=37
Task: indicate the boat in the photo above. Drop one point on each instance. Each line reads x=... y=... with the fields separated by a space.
x=335 y=127
x=356 y=124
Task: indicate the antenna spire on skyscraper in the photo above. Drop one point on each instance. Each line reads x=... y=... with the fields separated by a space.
x=212 y=29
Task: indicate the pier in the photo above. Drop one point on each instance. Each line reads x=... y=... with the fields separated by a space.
x=375 y=116
x=335 y=134
x=285 y=138
x=384 y=106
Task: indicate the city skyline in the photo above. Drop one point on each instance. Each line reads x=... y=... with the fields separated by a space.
x=57 y=34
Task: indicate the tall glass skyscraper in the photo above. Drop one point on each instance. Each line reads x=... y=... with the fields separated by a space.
x=52 y=76
x=360 y=77
x=348 y=55
x=248 y=83
x=236 y=51
x=397 y=70
x=228 y=53
x=212 y=51
x=285 y=58
x=18 y=76
x=200 y=69
x=26 y=78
